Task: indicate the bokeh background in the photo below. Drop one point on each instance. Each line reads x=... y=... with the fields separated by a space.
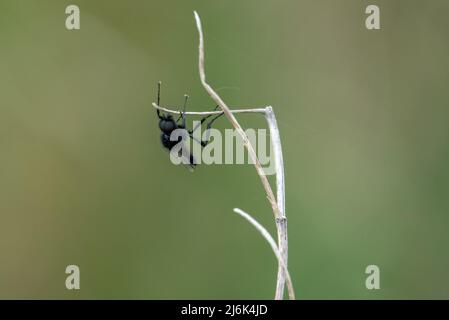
x=84 y=180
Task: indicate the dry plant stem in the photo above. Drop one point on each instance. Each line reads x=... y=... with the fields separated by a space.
x=273 y=245
x=281 y=221
x=277 y=205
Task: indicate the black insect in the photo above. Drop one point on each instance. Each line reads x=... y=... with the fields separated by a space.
x=167 y=125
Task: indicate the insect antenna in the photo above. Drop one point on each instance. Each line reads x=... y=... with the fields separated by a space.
x=186 y=97
x=159 y=98
x=183 y=113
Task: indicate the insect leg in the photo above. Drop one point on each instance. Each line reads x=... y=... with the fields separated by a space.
x=202 y=120
x=209 y=125
x=196 y=140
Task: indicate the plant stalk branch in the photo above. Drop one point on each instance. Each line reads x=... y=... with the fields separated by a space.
x=273 y=245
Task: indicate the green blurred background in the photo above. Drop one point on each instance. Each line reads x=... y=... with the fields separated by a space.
x=84 y=180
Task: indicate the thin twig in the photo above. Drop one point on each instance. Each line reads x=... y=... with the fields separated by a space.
x=206 y=113
x=281 y=222
x=273 y=245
